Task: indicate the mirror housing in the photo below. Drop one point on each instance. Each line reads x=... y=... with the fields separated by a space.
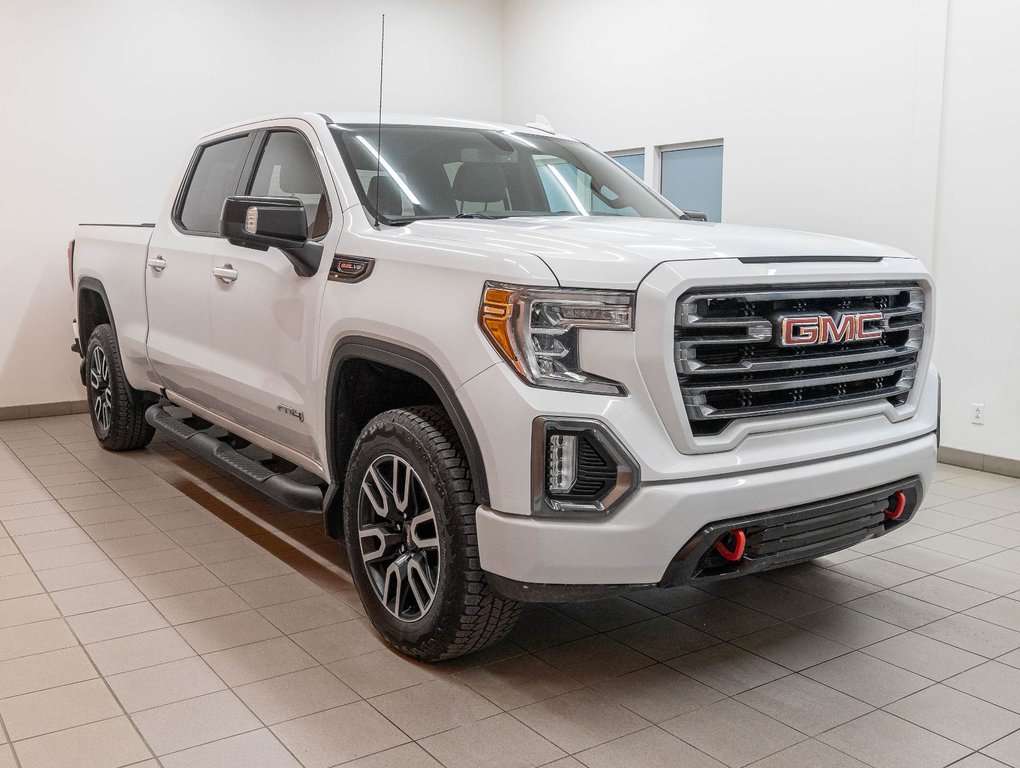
x=271 y=222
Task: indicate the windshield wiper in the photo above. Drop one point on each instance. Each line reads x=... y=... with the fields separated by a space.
x=399 y=221
x=480 y=215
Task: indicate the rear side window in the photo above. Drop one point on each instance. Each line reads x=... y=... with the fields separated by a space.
x=213 y=179
x=287 y=168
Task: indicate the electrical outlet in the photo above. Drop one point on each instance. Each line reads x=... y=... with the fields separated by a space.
x=977 y=413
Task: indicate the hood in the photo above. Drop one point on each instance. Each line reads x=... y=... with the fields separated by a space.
x=603 y=251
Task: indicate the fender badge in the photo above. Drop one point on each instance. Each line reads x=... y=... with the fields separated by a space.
x=350 y=269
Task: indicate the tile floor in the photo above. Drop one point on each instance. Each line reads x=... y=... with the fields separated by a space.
x=153 y=612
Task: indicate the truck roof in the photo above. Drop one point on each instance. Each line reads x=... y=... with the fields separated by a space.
x=340 y=117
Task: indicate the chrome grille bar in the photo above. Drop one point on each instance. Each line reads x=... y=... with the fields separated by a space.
x=731 y=365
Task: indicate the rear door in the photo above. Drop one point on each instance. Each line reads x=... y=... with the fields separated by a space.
x=264 y=318
x=179 y=263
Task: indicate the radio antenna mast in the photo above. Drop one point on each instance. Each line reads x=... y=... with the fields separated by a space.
x=378 y=136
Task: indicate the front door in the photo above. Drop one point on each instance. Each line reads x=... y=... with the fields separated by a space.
x=178 y=273
x=264 y=316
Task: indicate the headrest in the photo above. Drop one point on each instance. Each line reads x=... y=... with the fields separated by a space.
x=388 y=193
x=479 y=182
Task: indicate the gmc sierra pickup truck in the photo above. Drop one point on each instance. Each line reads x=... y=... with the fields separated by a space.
x=504 y=369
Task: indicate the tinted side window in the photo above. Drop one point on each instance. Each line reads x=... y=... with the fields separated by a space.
x=288 y=169
x=213 y=180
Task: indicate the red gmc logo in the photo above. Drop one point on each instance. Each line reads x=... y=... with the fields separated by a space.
x=813 y=330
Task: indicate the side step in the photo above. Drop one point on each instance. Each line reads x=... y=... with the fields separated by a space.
x=282 y=481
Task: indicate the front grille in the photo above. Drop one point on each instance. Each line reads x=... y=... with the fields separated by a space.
x=730 y=363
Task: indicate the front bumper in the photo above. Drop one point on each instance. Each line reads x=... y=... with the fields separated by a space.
x=636 y=546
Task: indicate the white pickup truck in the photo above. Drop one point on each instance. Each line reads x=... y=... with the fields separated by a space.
x=504 y=369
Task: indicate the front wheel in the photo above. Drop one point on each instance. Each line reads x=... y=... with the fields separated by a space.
x=409 y=528
x=118 y=417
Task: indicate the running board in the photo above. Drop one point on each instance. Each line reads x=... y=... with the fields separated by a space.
x=282 y=481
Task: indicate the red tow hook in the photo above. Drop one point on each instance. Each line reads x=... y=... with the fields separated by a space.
x=739 y=542
x=898 y=502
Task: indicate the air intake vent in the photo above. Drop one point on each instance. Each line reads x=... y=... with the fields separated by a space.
x=750 y=352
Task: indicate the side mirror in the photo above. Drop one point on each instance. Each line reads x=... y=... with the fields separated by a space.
x=271 y=222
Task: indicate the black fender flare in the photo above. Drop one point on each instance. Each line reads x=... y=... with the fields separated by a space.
x=92 y=284
x=409 y=361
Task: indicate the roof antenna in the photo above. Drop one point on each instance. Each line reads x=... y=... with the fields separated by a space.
x=378 y=137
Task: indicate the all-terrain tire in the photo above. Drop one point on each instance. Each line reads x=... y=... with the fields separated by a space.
x=465 y=613
x=118 y=415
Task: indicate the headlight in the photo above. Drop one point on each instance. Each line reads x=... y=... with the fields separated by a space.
x=535 y=330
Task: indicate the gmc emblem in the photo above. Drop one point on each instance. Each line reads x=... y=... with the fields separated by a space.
x=814 y=330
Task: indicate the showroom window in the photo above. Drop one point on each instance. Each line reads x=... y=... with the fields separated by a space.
x=287 y=168
x=690 y=177
x=633 y=161
x=213 y=180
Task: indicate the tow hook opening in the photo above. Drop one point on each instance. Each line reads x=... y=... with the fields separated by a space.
x=897 y=503
x=731 y=545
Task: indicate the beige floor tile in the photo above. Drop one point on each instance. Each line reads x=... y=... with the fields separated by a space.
x=663 y=638
x=94 y=501
x=120 y=529
x=155 y=562
x=790 y=646
x=339 y=641
x=13 y=564
x=146 y=649
x=658 y=693
x=811 y=754
x=44 y=670
x=98 y=597
x=64 y=556
x=7 y=757
x=993 y=682
x=196 y=606
x=33 y=714
x=309 y=613
x=650 y=748
x=579 y=720
x=256 y=748
x=1003 y=611
x=28 y=639
x=229 y=549
x=107 y=743
x=497 y=742
x=604 y=615
x=435 y=706
x=404 y=756
x=164 y=684
x=847 y=627
x=221 y=632
x=190 y=723
x=187 y=519
x=733 y=733
x=728 y=669
x=593 y=659
x=295 y=695
x=383 y=671
x=102 y=515
x=25 y=610
x=262 y=566
x=257 y=661
x=116 y=622
x=516 y=682
x=886 y=741
x=338 y=735
x=957 y=716
x=866 y=678
x=19 y=585
x=924 y=656
x=131 y=546
x=171 y=583
x=973 y=635
x=26 y=528
x=899 y=609
x=82 y=575
x=723 y=619
x=203 y=534
x=1007 y=749
x=804 y=704
x=278 y=589
x=945 y=593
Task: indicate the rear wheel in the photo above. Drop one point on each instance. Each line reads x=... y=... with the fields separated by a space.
x=409 y=525
x=118 y=419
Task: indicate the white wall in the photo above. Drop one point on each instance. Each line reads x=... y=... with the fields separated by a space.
x=832 y=115
x=977 y=253
x=101 y=103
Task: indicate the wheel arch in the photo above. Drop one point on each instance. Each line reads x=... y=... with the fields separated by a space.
x=344 y=421
x=93 y=307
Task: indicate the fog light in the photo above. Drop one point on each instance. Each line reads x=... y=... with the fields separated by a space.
x=561 y=463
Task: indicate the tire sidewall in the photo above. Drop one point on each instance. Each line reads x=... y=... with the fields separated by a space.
x=98 y=339
x=383 y=438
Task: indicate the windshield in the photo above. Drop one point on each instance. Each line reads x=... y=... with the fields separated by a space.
x=435 y=172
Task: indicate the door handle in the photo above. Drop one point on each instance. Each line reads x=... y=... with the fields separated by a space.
x=226 y=273
x=158 y=263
